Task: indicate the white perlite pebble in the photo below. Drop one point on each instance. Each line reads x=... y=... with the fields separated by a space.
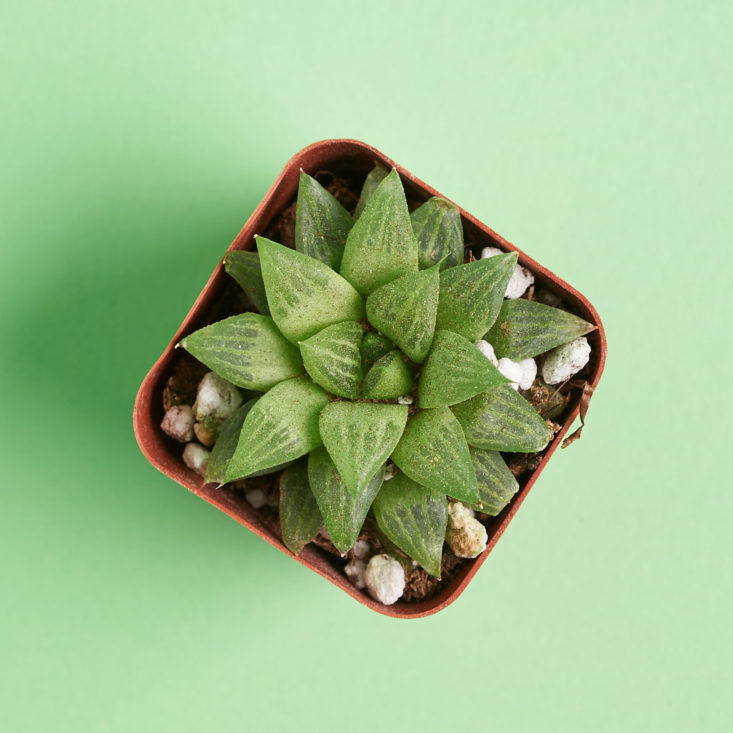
x=196 y=457
x=216 y=398
x=466 y=536
x=522 y=373
x=256 y=498
x=520 y=280
x=178 y=423
x=385 y=579
x=405 y=400
x=564 y=361
x=389 y=471
x=488 y=351
x=361 y=549
x=355 y=572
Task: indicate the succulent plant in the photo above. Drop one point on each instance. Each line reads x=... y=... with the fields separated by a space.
x=362 y=354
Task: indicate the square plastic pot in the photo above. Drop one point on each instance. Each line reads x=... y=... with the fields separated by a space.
x=355 y=158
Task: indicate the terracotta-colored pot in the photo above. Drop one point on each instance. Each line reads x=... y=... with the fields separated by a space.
x=165 y=454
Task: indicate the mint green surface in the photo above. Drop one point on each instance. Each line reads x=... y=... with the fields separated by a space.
x=136 y=138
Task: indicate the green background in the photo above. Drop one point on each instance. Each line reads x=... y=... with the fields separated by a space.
x=135 y=140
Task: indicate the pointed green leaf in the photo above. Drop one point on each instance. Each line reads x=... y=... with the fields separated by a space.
x=359 y=437
x=245 y=268
x=343 y=512
x=496 y=483
x=300 y=517
x=471 y=295
x=247 y=350
x=437 y=226
x=454 y=371
x=501 y=419
x=405 y=310
x=374 y=346
x=434 y=453
x=305 y=295
x=388 y=379
x=375 y=176
x=281 y=426
x=226 y=444
x=321 y=223
x=525 y=328
x=415 y=519
x=382 y=245
x=333 y=358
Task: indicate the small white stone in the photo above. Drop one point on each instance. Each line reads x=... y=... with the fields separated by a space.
x=178 y=423
x=196 y=457
x=522 y=373
x=564 y=361
x=405 y=400
x=488 y=351
x=361 y=549
x=256 y=498
x=466 y=536
x=216 y=398
x=355 y=572
x=385 y=579
x=520 y=280
x=389 y=471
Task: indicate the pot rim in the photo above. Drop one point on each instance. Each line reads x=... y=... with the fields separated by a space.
x=153 y=444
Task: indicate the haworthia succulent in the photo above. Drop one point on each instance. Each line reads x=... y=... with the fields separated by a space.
x=248 y=350
x=305 y=295
x=332 y=358
x=281 y=426
x=374 y=346
x=382 y=245
x=321 y=223
x=415 y=519
x=226 y=444
x=496 y=483
x=433 y=452
x=525 y=328
x=245 y=268
x=388 y=379
x=501 y=419
x=300 y=517
x=375 y=176
x=454 y=371
x=359 y=437
x=437 y=226
x=405 y=311
x=343 y=512
x=471 y=295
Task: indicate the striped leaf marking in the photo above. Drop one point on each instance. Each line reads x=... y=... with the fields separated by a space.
x=437 y=226
x=375 y=176
x=359 y=437
x=525 y=328
x=245 y=268
x=496 y=483
x=332 y=357
x=433 y=452
x=343 y=512
x=405 y=311
x=388 y=379
x=381 y=246
x=305 y=295
x=414 y=518
x=501 y=419
x=471 y=295
x=300 y=517
x=321 y=223
x=248 y=350
x=281 y=426
x=454 y=371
